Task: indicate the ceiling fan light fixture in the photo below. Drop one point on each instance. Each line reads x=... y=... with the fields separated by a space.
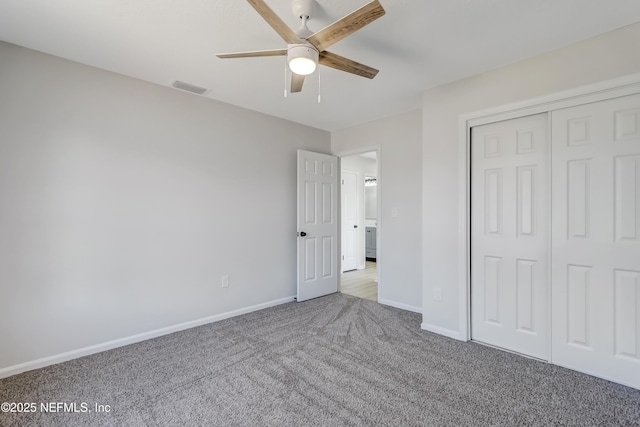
x=303 y=59
x=305 y=49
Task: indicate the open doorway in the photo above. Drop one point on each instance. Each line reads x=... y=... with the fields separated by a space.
x=359 y=231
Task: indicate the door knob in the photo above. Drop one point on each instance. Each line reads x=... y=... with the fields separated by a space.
x=355 y=226
x=302 y=234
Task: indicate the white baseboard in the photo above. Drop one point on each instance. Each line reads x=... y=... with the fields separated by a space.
x=456 y=335
x=400 y=305
x=97 y=348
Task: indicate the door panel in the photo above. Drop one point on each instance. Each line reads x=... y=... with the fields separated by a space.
x=509 y=240
x=317 y=219
x=350 y=217
x=595 y=239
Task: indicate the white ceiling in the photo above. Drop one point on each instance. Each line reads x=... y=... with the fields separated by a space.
x=417 y=45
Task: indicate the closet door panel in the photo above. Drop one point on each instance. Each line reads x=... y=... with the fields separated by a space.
x=596 y=239
x=509 y=242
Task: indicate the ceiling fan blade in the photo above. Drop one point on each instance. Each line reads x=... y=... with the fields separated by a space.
x=274 y=20
x=347 y=25
x=296 y=82
x=252 y=54
x=345 y=64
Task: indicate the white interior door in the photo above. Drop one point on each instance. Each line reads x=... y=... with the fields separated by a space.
x=350 y=221
x=596 y=239
x=509 y=235
x=317 y=225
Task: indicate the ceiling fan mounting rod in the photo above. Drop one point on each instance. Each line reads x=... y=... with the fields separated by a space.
x=303 y=9
x=304 y=32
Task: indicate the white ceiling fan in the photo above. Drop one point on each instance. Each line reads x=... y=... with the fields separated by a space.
x=305 y=50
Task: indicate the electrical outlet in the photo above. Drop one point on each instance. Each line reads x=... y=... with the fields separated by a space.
x=437 y=294
x=225 y=281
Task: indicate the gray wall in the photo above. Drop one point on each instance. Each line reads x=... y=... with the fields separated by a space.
x=604 y=57
x=123 y=203
x=399 y=188
x=364 y=165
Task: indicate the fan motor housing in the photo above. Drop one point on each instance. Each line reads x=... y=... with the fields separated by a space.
x=302 y=50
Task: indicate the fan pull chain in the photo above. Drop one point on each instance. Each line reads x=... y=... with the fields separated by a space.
x=285 y=76
x=319 y=98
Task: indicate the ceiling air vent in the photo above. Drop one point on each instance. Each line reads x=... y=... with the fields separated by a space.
x=189 y=87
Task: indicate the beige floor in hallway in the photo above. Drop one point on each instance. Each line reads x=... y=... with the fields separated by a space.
x=361 y=283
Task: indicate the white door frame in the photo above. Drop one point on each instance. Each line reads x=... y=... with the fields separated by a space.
x=627 y=85
x=379 y=230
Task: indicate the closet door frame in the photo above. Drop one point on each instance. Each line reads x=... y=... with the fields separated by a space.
x=609 y=89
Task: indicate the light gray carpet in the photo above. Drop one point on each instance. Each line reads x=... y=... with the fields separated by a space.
x=336 y=360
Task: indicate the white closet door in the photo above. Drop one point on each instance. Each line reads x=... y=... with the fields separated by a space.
x=509 y=240
x=596 y=239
